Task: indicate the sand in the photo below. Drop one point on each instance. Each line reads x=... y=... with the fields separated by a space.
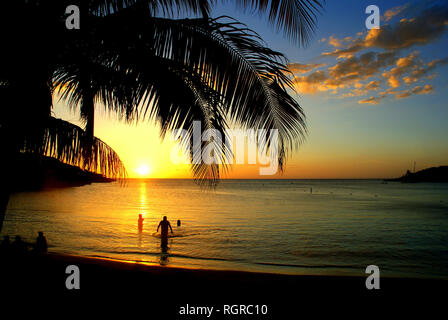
x=109 y=287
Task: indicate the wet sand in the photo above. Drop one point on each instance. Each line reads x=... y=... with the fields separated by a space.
x=109 y=286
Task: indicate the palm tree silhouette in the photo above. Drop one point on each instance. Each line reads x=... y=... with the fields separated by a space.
x=143 y=59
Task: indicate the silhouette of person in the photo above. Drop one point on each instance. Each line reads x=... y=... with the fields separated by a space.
x=140 y=222
x=178 y=223
x=41 y=243
x=164 y=232
x=19 y=247
x=5 y=246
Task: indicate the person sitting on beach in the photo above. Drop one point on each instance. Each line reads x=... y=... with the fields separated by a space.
x=164 y=224
x=5 y=246
x=19 y=247
x=41 y=243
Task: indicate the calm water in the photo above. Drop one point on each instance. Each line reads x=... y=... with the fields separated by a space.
x=274 y=226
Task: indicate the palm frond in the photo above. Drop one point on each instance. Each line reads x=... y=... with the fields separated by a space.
x=70 y=144
x=297 y=18
x=156 y=7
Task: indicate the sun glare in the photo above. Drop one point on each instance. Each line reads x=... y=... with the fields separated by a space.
x=143 y=170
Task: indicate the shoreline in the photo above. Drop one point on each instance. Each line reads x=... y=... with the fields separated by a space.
x=153 y=266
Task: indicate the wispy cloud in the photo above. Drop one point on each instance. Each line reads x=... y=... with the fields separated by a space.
x=372 y=100
x=391 y=13
x=299 y=68
x=426 y=89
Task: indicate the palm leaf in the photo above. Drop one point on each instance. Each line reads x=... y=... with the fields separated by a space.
x=156 y=7
x=297 y=18
x=70 y=144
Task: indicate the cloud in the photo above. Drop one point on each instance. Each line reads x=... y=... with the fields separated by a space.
x=362 y=89
x=422 y=70
x=364 y=66
x=337 y=43
x=311 y=83
x=403 y=65
x=372 y=100
x=299 y=68
x=413 y=67
x=391 y=13
x=426 y=89
x=354 y=47
x=408 y=32
x=371 y=64
x=372 y=85
x=346 y=73
x=426 y=27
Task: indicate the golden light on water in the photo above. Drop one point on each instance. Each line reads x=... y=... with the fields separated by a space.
x=143 y=198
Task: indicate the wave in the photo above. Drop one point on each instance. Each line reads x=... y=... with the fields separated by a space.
x=175 y=235
x=274 y=264
x=323 y=266
x=169 y=255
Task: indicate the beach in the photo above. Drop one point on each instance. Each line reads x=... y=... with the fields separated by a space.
x=141 y=289
x=248 y=246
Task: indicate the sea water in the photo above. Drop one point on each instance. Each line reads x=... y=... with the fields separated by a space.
x=283 y=226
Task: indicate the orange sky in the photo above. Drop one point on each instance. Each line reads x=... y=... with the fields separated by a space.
x=141 y=149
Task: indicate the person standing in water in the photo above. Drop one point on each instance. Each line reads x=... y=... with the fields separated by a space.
x=164 y=232
x=140 y=222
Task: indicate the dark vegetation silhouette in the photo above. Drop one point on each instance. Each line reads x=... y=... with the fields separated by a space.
x=142 y=59
x=433 y=174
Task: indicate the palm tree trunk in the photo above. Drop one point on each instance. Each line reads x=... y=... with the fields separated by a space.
x=5 y=183
x=4 y=199
x=89 y=107
x=24 y=125
x=88 y=113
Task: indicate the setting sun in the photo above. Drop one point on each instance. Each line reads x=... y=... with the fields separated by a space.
x=143 y=170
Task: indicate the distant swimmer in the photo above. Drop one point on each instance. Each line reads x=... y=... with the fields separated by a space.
x=311 y=190
x=178 y=223
x=140 y=222
x=164 y=232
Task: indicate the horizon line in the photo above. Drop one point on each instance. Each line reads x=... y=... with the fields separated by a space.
x=152 y=178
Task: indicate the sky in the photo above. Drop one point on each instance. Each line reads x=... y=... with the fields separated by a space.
x=375 y=100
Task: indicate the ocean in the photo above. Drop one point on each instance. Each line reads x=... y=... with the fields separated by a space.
x=332 y=227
